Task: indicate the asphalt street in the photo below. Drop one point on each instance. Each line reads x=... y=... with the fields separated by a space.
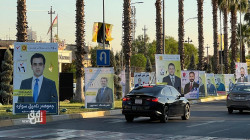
x=208 y=121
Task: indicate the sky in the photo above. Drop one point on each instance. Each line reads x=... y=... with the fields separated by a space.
x=39 y=19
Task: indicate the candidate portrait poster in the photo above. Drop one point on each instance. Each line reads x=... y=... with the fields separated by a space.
x=190 y=84
x=123 y=82
x=144 y=78
x=220 y=84
x=211 y=86
x=202 y=84
x=99 y=88
x=168 y=70
x=35 y=75
x=229 y=81
x=241 y=72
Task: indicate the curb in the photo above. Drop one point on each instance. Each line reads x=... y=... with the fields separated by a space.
x=52 y=118
x=208 y=99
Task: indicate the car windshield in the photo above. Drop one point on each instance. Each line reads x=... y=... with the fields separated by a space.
x=242 y=88
x=146 y=91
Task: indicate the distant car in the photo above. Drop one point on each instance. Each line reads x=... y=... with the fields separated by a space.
x=156 y=102
x=239 y=98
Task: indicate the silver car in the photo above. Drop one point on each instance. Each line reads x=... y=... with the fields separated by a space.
x=239 y=98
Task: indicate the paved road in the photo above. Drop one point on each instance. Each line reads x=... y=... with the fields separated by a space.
x=208 y=121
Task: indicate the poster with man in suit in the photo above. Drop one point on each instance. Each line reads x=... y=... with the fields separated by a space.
x=211 y=89
x=241 y=72
x=99 y=88
x=36 y=77
x=220 y=84
x=229 y=81
x=202 y=84
x=168 y=70
x=189 y=84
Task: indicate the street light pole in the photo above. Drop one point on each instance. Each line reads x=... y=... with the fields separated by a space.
x=240 y=35
x=207 y=54
x=103 y=26
x=221 y=46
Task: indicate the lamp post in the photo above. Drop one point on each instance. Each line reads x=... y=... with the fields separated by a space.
x=103 y=25
x=188 y=40
x=133 y=13
x=163 y=26
x=207 y=54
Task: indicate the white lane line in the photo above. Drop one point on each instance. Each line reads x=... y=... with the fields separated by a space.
x=205 y=123
x=219 y=131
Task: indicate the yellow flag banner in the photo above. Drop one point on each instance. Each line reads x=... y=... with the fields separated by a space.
x=221 y=41
x=97 y=34
x=95 y=31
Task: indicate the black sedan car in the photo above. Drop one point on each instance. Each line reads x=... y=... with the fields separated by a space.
x=156 y=102
x=239 y=98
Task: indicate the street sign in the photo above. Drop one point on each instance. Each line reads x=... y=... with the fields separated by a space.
x=103 y=57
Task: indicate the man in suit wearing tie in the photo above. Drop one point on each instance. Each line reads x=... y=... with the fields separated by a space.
x=43 y=89
x=211 y=90
x=242 y=75
x=220 y=86
x=104 y=94
x=172 y=79
x=192 y=85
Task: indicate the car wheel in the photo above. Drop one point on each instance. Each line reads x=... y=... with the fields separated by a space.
x=241 y=110
x=186 y=115
x=164 y=115
x=129 y=118
x=230 y=110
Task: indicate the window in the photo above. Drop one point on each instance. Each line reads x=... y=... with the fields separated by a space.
x=241 y=88
x=174 y=92
x=167 y=91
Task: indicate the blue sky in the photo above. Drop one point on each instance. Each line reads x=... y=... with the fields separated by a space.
x=39 y=19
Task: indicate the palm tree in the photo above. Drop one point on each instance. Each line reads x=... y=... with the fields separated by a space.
x=235 y=5
x=200 y=32
x=245 y=34
x=215 y=36
x=22 y=23
x=181 y=32
x=224 y=7
x=80 y=45
x=127 y=42
x=159 y=37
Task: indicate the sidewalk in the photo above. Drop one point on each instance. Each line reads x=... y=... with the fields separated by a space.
x=52 y=118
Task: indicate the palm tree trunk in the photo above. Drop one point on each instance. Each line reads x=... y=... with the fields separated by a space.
x=22 y=23
x=159 y=37
x=233 y=37
x=181 y=32
x=127 y=41
x=200 y=36
x=225 y=11
x=80 y=45
x=215 y=37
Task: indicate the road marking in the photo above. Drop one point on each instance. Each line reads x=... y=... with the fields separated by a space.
x=205 y=123
x=219 y=131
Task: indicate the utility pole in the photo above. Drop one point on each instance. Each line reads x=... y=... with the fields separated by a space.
x=240 y=35
x=207 y=54
x=144 y=29
x=221 y=45
x=50 y=12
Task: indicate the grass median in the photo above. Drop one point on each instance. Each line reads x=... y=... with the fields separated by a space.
x=72 y=108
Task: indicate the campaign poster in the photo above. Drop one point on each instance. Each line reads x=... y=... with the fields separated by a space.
x=35 y=80
x=229 y=81
x=202 y=84
x=168 y=70
x=220 y=84
x=99 y=88
x=190 y=84
x=211 y=86
x=241 y=72
x=143 y=78
x=123 y=82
